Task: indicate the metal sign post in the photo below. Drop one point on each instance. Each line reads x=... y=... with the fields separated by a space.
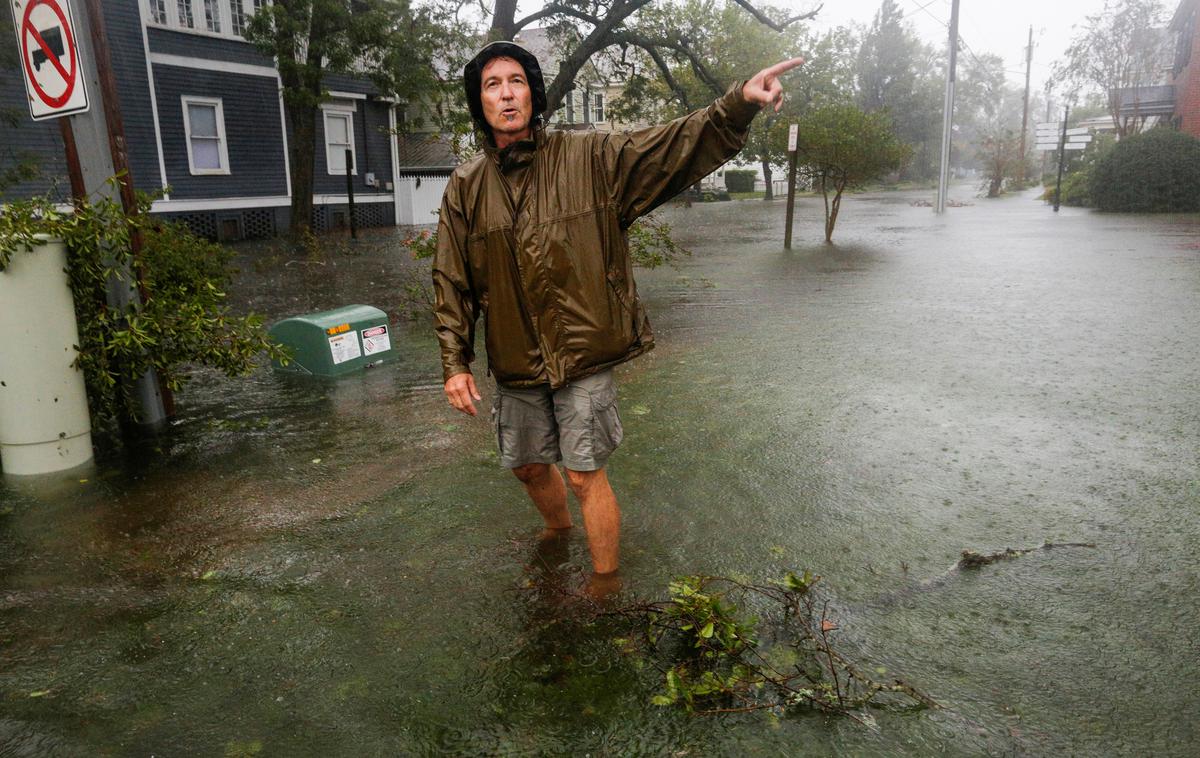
x=1062 y=153
x=350 y=191
x=793 y=141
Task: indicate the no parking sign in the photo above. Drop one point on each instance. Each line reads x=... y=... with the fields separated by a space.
x=46 y=39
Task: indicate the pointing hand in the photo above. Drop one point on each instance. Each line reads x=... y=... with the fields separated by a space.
x=764 y=87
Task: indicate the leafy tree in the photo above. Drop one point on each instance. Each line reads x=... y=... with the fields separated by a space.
x=842 y=147
x=896 y=71
x=988 y=113
x=595 y=26
x=1117 y=50
x=14 y=166
x=387 y=40
x=1000 y=154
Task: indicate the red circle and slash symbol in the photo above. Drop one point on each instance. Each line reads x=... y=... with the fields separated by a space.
x=69 y=74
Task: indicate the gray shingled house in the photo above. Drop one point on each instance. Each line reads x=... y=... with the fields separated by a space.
x=204 y=123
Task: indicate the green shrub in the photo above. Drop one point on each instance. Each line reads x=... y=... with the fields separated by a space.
x=739 y=180
x=184 y=320
x=1154 y=172
x=1076 y=189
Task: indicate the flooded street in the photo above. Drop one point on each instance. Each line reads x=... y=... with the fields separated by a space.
x=314 y=568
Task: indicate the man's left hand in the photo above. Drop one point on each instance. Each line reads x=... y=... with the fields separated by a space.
x=764 y=87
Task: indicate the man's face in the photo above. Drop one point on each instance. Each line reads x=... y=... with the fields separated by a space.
x=507 y=100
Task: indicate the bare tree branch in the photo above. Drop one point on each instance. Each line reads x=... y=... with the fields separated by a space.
x=555 y=9
x=777 y=26
x=651 y=46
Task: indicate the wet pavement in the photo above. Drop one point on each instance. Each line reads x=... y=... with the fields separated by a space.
x=312 y=568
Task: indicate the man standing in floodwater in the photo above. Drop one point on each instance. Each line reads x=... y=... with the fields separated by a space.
x=532 y=239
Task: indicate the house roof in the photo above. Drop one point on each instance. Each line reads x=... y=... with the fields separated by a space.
x=1147 y=101
x=549 y=51
x=425 y=152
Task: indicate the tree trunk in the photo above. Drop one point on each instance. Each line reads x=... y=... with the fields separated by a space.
x=503 y=19
x=301 y=156
x=301 y=103
x=994 y=186
x=831 y=214
x=766 y=166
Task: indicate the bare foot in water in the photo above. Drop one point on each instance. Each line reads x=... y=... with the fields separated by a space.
x=600 y=587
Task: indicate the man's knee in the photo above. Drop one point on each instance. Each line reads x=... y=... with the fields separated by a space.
x=583 y=481
x=531 y=472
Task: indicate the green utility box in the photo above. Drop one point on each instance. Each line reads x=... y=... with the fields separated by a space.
x=335 y=343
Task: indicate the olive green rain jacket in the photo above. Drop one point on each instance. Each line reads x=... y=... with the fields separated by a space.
x=532 y=239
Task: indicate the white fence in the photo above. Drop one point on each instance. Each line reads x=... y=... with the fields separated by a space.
x=418 y=199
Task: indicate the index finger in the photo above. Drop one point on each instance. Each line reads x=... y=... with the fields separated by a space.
x=783 y=66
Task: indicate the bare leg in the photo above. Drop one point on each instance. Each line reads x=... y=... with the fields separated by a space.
x=601 y=517
x=545 y=487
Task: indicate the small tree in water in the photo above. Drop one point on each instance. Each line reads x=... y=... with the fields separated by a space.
x=841 y=147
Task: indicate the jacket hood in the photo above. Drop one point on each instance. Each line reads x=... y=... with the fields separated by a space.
x=473 y=79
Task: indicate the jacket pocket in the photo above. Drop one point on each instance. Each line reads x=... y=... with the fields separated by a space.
x=616 y=283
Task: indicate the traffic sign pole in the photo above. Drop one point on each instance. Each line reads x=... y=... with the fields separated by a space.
x=1062 y=153
x=793 y=141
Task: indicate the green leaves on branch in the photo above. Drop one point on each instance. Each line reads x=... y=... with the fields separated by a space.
x=716 y=658
x=842 y=147
x=184 y=320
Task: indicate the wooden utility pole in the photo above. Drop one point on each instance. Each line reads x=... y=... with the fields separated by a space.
x=948 y=115
x=1025 y=112
x=96 y=151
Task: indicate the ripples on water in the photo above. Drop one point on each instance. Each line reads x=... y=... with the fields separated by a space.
x=339 y=568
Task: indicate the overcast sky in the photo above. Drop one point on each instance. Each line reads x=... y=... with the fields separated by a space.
x=991 y=26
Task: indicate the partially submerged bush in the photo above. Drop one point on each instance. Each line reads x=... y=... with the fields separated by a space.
x=1154 y=172
x=183 y=321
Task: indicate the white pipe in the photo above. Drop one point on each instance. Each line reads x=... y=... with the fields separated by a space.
x=44 y=421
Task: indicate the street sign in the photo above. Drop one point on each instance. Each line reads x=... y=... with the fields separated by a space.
x=1046 y=146
x=54 y=82
x=1080 y=130
x=793 y=136
x=1075 y=146
x=1079 y=138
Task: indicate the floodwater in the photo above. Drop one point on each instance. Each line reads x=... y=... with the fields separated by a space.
x=307 y=568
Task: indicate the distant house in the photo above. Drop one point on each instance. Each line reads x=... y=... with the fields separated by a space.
x=596 y=86
x=204 y=124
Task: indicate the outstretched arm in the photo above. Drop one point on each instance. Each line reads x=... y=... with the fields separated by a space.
x=649 y=166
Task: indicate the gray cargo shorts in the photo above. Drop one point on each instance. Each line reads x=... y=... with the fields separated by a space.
x=577 y=424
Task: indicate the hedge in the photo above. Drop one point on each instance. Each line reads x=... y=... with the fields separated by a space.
x=1154 y=172
x=739 y=180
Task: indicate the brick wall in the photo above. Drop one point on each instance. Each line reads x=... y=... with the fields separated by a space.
x=1187 y=85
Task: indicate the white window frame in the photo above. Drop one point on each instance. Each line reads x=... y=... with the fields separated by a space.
x=246 y=16
x=339 y=110
x=224 y=13
x=598 y=107
x=222 y=144
x=166 y=11
x=220 y=16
